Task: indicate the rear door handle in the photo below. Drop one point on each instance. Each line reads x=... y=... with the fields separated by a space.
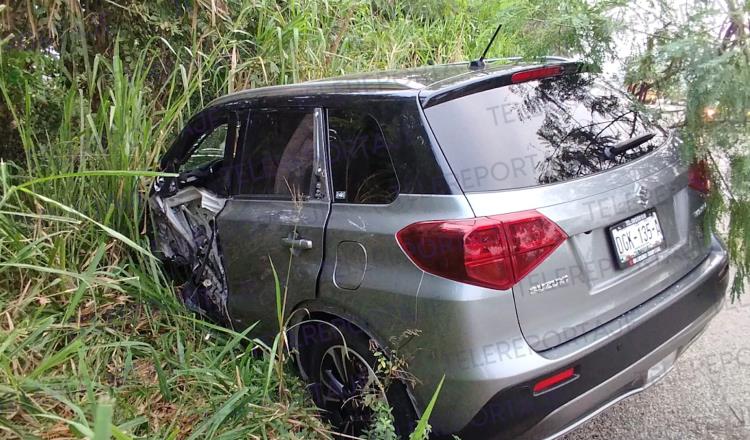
x=297 y=243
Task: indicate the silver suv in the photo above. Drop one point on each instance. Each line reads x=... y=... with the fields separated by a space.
x=524 y=230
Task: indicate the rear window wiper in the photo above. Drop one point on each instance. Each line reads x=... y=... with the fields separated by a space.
x=615 y=150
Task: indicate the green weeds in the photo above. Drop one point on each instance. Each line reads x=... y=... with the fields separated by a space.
x=93 y=342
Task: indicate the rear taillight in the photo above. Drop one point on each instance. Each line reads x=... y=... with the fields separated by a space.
x=538 y=73
x=495 y=252
x=698 y=177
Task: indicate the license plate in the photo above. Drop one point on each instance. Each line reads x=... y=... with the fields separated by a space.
x=637 y=238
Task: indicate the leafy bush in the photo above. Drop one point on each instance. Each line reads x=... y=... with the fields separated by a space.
x=92 y=340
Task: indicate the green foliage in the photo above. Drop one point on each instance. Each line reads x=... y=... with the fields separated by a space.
x=381 y=426
x=30 y=78
x=422 y=431
x=267 y=42
x=91 y=336
x=700 y=56
x=92 y=341
x=91 y=330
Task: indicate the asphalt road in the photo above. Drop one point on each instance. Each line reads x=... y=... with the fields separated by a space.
x=706 y=395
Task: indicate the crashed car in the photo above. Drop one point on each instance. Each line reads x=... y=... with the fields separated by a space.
x=536 y=235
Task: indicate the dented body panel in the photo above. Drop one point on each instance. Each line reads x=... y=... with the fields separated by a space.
x=258 y=230
x=186 y=235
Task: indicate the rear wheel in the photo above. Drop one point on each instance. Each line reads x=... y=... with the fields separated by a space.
x=343 y=381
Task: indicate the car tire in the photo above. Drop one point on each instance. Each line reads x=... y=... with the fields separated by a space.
x=319 y=345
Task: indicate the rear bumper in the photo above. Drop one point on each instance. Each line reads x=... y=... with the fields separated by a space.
x=610 y=367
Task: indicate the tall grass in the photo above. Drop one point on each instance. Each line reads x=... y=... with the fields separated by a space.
x=92 y=339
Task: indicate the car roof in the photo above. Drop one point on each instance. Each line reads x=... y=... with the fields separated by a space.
x=426 y=82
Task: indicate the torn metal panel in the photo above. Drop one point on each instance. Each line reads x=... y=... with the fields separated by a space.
x=186 y=237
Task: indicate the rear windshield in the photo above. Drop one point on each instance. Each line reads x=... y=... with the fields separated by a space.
x=539 y=132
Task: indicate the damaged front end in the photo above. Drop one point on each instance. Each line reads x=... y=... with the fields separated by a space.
x=185 y=238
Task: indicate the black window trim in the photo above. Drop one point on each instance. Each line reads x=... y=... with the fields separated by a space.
x=183 y=147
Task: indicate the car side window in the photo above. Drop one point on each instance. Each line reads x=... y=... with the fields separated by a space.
x=278 y=154
x=208 y=148
x=361 y=164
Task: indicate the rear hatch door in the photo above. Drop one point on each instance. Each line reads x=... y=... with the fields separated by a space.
x=587 y=157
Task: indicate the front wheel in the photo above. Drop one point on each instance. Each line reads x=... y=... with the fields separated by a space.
x=340 y=367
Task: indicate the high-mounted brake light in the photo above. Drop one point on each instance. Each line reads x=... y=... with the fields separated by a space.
x=494 y=252
x=698 y=177
x=553 y=381
x=538 y=73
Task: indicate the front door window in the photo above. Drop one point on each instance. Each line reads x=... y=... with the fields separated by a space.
x=208 y=149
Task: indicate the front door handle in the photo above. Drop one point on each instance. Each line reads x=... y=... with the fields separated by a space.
x=297 y=243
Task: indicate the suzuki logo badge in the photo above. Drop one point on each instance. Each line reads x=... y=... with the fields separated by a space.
x=641 y=194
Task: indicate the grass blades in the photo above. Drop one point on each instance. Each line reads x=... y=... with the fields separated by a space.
x=93 y=342
x=422 y=431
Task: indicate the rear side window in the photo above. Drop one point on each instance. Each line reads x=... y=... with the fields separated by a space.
x=361 y=164
x=278 y=154
x=538 y=132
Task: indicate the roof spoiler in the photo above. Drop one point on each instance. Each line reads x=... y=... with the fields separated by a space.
x=551 y=66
